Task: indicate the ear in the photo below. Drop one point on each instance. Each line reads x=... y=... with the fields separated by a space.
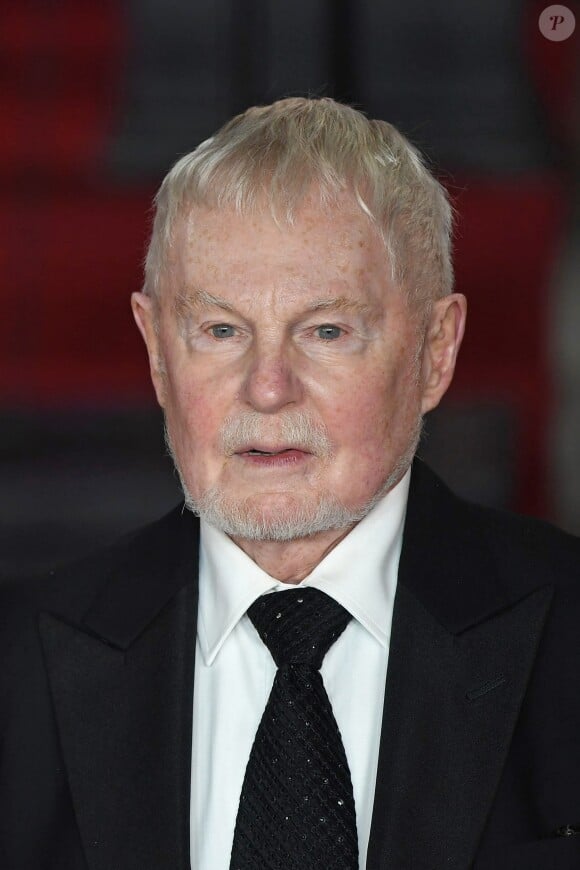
x=146 y=320
x=443 y=339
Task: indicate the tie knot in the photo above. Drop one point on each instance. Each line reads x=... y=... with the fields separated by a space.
x=298 y=626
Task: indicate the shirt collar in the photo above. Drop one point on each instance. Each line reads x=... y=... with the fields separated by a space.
x=229 y=581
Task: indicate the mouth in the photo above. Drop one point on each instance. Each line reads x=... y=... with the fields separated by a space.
x=274 y=451
x=280 y=457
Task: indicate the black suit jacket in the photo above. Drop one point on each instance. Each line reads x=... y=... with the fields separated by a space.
x=479 y=760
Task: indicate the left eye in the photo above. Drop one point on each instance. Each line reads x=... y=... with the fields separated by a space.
x=222 y=330
x=328 y=331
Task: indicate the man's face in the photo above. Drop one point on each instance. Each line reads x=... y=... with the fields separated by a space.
x=292 y=341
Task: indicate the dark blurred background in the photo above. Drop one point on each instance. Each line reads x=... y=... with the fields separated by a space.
x=98 y=99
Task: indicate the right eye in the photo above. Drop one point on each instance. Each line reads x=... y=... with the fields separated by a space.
x=223 y=330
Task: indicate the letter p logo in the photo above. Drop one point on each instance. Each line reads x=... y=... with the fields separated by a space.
x=557 y=23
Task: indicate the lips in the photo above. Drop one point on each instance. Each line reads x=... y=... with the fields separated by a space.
x=262 y=451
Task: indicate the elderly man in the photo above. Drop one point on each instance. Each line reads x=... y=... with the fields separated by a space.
x=339 y=664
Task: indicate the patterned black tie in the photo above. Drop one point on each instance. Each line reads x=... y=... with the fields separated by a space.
x=296 y=807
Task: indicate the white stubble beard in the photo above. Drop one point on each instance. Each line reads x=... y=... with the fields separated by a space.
x=237 y=519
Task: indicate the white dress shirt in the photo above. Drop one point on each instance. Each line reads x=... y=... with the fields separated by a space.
x=234 y=670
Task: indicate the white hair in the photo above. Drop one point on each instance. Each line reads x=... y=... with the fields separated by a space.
x=275 y=156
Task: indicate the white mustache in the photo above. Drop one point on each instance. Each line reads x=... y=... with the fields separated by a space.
x=294 y=429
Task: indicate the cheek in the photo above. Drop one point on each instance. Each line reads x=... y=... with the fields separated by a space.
x=193 y=416
x=362 y=408
x=374 y=418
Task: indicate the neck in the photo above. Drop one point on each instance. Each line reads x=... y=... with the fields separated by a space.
x=292 y=561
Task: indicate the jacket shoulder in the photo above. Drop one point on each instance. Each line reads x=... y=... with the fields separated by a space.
x=484 y=545
x=70 y=589
x=524 y=544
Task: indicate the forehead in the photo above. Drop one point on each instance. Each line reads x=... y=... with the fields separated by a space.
x=335 y=248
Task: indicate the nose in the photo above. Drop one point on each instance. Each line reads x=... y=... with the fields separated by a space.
x=271 y=381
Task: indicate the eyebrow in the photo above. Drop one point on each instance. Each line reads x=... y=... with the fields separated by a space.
x=342 y=303
x=187 y=301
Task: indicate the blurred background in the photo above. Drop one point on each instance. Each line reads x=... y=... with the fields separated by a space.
x=98 y=99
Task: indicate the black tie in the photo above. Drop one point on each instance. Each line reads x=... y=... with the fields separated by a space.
x=296 y=807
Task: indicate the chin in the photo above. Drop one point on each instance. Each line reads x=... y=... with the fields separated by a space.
x=279 y=517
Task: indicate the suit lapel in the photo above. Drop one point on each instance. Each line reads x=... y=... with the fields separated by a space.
x=450 y=709
x=122 y=687
x=462 y=647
